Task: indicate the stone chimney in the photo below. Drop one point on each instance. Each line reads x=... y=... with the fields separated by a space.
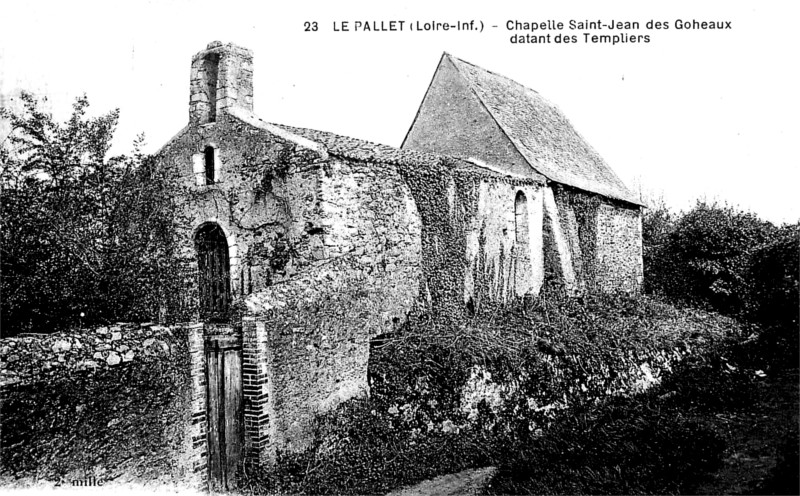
x=222 y=77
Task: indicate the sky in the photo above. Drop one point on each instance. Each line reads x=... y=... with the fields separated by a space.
x=692 y=114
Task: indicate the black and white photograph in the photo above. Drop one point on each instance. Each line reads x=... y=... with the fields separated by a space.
x=407 y=249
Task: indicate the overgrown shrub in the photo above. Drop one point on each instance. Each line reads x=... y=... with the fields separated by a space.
x=364 y=448
x=415 y=425
x=784 y=477
x=536 y=358
x=774 y=275
x=663 y=441
x=702 y=258
x=625 y=446
x=721 y=258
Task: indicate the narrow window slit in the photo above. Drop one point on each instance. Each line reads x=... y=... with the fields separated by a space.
x=209 y=162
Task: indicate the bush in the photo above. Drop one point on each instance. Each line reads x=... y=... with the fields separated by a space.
x=663 y=441
x=626 y=446
x=784 y=477
x=730 y=261
x=702 y=257
x=774 y=275
x=363 y=448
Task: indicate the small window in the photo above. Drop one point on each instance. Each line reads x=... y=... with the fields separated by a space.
x=210 y=165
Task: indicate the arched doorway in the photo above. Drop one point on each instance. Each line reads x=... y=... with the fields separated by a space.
x=214 y=272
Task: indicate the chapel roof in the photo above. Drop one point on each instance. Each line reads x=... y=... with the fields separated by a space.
x=542 y=133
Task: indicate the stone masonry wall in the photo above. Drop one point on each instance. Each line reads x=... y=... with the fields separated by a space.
x=604 y=240
x=469 y=243
x=120 y=403
x=306 y=339
x=619 y=248
x=493 y=252
x=265 y=199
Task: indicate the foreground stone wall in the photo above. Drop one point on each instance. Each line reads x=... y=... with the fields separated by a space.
x=639 y=373
x=112 y=403
x=525 y=369
x=315 y=334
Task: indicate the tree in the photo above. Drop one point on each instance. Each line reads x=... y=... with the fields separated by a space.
x=657 y=224
x=84 y=238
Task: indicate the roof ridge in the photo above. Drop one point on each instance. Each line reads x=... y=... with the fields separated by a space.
x=496 y=74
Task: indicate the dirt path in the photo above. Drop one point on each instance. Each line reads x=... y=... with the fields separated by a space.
x=755 y=437
x=463 y=483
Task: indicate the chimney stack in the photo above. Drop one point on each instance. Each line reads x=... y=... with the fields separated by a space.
x=222 y=77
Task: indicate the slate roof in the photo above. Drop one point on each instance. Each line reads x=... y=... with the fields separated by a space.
x=542 y=134
x=358 y=149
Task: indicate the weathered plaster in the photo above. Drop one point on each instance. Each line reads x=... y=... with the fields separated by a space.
x=553 y=217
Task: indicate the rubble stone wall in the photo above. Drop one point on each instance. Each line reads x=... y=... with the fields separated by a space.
x=619 y=248
x=265 y=199
x=312 y=330
x=118 y=403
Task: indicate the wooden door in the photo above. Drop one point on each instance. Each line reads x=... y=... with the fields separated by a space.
x=214 y=272
x=225 y=413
